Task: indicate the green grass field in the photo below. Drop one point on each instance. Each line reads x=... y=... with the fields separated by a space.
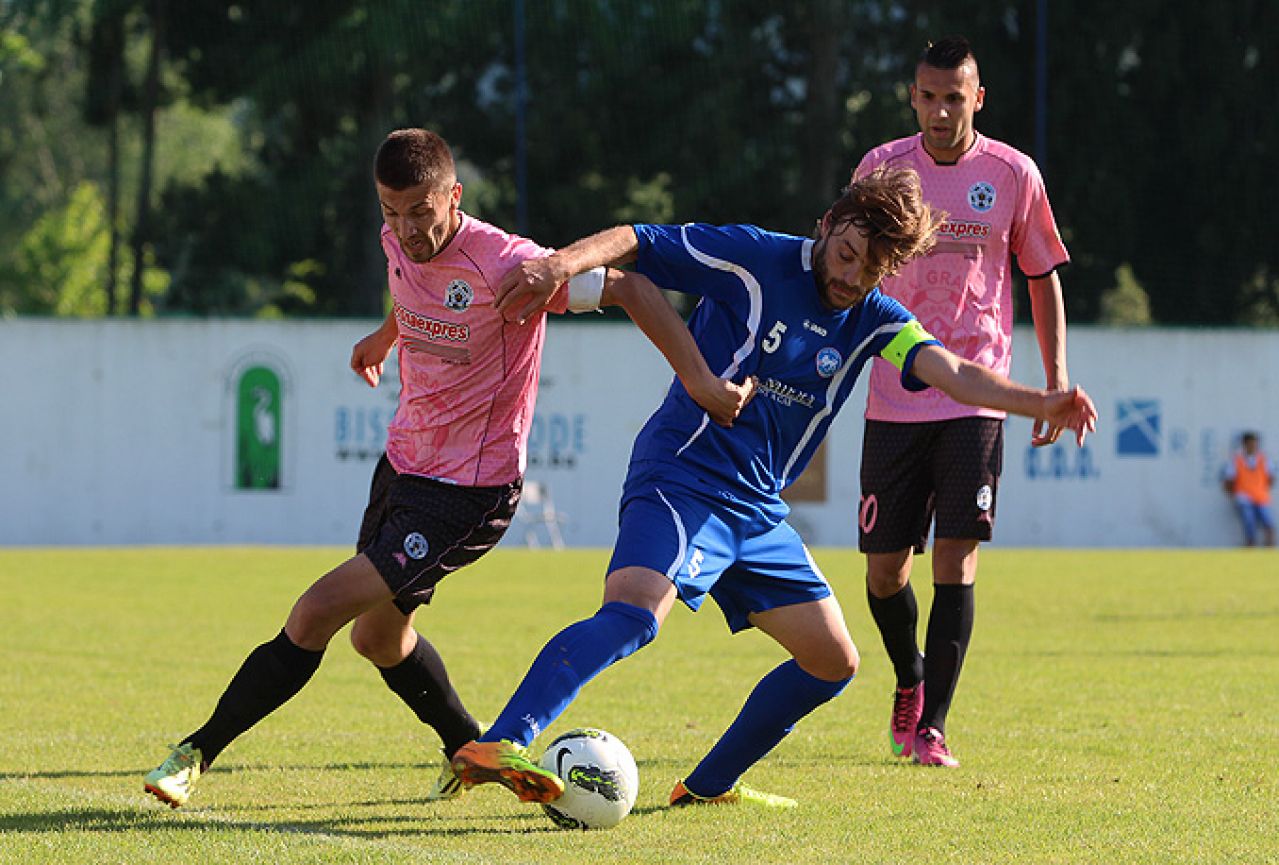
x=1115 y=707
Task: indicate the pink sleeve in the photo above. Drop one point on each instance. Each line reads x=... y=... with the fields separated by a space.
x=559 y=300
x=521 y=249
x=865 y=166
x=1035 y=239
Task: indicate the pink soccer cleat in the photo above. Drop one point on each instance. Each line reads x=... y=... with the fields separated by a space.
x=908 y=705
x=931 y=750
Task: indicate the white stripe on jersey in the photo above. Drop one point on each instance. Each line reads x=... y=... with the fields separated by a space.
x=756 y=296
x=831 y=390
x=683 y=538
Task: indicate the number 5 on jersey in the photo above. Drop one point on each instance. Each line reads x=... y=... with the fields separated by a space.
x=774 y=339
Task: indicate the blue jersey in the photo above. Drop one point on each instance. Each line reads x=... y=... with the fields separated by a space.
x=761 y=315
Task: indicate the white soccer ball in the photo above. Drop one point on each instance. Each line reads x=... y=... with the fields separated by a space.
x=600 y=779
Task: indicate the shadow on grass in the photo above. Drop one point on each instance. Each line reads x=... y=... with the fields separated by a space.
x=227 y=769
x=150 y=816
x=96 y=819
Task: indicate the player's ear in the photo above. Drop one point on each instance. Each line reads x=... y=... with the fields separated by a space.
x=981 y=99
x=455 y=194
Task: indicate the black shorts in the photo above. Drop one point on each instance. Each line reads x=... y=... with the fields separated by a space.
x=417 y=531
x=913 y=471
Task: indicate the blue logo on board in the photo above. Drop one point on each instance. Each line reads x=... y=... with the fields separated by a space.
x=1139 y=425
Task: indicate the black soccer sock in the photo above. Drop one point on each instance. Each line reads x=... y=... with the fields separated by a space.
x=950 y=627
x=421 y=681
x=269 y=676
x=897 y=618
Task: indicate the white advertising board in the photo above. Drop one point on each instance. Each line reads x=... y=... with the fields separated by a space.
x=198 y=432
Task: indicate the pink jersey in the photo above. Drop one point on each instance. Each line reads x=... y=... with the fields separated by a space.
x=468 y=378
x=962 y=291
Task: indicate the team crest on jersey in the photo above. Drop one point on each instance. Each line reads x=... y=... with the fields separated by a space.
x=981 y=196
x=458 y=295
x=828 y=362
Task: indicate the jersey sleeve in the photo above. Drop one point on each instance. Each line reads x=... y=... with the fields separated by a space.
x=705 y=260
x=1035 y=239
x=518 y=250
x=901 y=343
x=867 y=165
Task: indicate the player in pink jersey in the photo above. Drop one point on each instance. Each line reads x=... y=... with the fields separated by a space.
x=447 y=487
x=924 y=455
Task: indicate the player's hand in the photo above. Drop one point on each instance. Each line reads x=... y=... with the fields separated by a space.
x=368 y=358
x=722 y=399
x=526 y=289
x=1071 y=410
x=1044 y=433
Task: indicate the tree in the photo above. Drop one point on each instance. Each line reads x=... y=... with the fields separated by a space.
x=61 y=264
x=256 y=148
x=105 y=93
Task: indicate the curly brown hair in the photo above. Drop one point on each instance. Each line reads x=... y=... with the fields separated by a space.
x=888 y=207
x=412 y=157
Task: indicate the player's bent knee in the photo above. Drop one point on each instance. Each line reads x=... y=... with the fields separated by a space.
x=311 y=624
x=834 y=666
x=381 y=649
x=306 y=632
x=884 y=581
x=847 y=666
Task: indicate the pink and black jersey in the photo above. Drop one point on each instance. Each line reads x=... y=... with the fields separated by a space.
x=468 y=377
x=961 y=292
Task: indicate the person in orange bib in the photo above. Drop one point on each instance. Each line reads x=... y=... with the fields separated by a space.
x=1248 y=479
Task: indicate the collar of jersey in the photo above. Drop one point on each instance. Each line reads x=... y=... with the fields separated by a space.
x=462 y=220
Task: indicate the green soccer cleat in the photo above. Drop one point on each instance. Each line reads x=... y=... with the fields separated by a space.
x=173 y=780
x=739 y=794
x=447 y=786
x=507 y=764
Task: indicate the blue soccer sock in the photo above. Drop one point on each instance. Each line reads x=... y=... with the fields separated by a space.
x=572 y=658
x=779 y=700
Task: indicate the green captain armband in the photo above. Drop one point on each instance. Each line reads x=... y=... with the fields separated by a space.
x=911 y=335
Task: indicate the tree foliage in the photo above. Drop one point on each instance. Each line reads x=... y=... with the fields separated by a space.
x=268 y=114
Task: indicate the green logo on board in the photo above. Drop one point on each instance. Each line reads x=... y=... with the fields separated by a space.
x=258 y=425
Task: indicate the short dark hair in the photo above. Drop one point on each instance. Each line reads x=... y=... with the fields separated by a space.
x=888 y=207
x=412 y=157
x=949 y=52
x=1249 y=436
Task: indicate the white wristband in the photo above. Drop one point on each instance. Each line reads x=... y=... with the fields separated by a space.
x=585 y=291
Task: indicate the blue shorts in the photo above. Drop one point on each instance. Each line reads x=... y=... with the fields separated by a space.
x=708 y=543
x=1254 y=516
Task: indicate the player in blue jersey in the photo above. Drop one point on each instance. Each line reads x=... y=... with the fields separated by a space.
x=701 y=509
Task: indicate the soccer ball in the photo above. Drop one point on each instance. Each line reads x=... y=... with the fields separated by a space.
x=600 y=779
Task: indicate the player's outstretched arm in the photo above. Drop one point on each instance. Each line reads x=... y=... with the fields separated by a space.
x=974 y=384
x=528 y=287
x=368 y=358
x=646 y=305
